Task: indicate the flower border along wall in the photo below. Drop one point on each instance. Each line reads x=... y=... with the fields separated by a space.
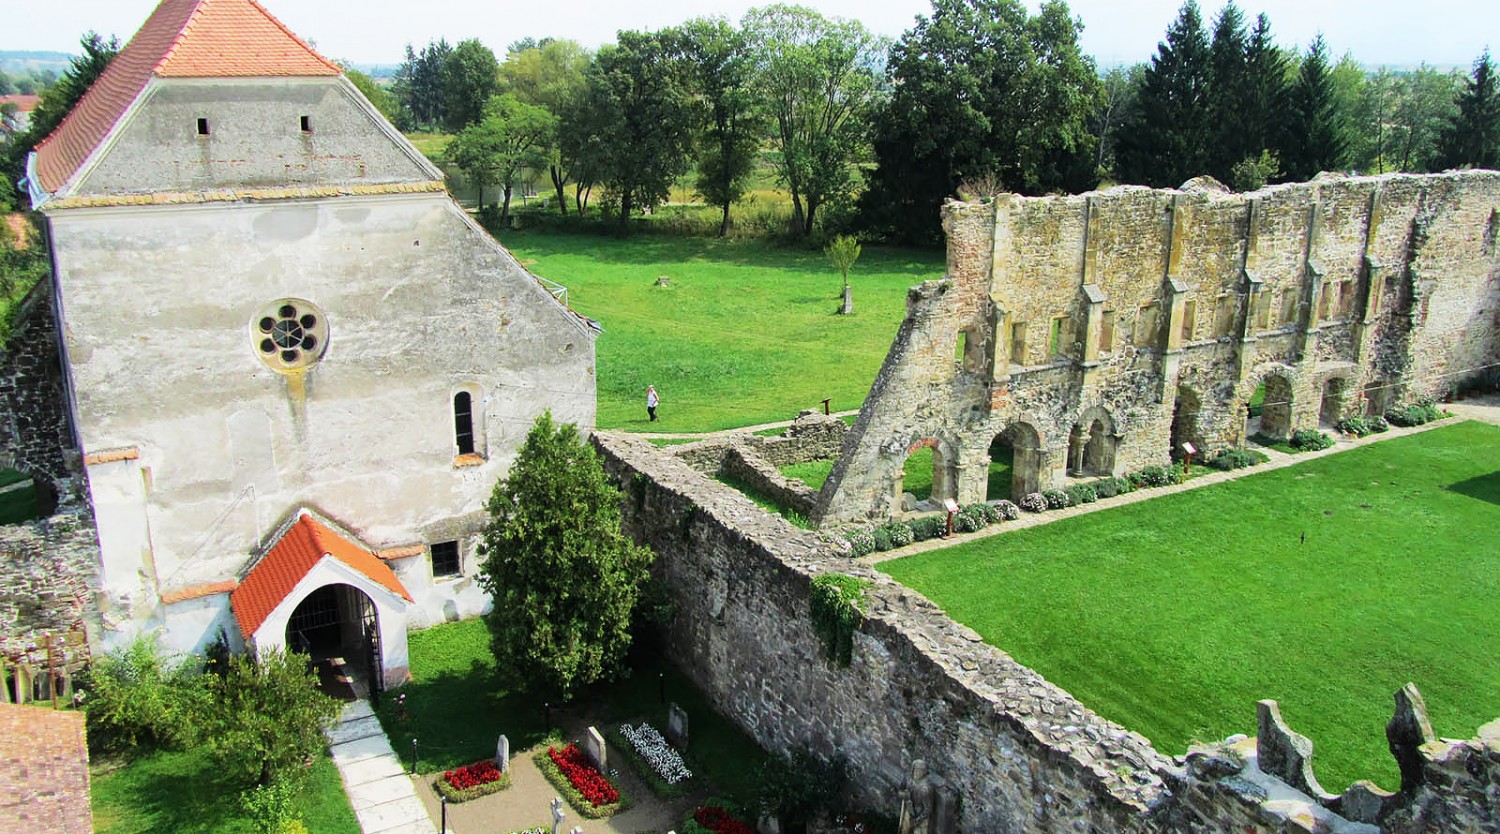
x=590 y=792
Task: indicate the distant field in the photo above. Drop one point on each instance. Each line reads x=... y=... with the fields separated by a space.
x=746 y=332
x=1175 y=615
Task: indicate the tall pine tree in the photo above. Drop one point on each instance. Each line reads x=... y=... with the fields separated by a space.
x=1228 y=83
x=1473 y=136
x=1317 y=139
x=1266 y=103
x=1167 y=142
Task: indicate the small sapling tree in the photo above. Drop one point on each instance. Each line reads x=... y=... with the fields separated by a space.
x=563 y=577
x=266 y=716
x=842 y=252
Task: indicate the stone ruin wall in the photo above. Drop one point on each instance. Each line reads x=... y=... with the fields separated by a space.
x=1015 y=752
x=1358 y=293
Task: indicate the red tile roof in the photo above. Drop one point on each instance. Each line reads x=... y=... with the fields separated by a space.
x=299 y=549
x=181 y=39
x=44 y=771
x=23 y=103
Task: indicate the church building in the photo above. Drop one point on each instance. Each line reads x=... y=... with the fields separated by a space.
x=295 y=367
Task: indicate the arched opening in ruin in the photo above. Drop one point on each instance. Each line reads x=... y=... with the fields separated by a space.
x=1185 y=422
x=1332 y=409
x=337 y=628
x=1273 y=401
x=1092 y=443
x=1015 y=463
x=927 y=476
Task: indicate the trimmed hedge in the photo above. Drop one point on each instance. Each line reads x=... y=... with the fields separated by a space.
x=1308 y=440
x=1236 y=459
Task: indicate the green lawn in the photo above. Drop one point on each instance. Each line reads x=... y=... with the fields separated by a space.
x=746 y=333
x=186 y=793
x=456 y=708
x=1174 y=615
x=18 y=505
x=813 y=473
x=917 y=474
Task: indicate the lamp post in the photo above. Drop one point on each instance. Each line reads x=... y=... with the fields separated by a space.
x=413 y=756
x=444 y=799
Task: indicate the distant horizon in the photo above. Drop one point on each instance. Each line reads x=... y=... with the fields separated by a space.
x=1451 y=34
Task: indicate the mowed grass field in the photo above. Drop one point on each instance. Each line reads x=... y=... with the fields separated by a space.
x=1175 y=615
x=744 y=333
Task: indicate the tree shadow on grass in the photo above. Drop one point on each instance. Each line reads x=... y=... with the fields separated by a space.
x=458 y=716
x=667 y=250
x=1484 y=487
x=182 y=792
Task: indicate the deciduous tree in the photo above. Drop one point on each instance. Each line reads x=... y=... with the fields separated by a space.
x=720 y=70
x=564 y=578
x=549 y=74
x=511 y=135
x=266 y=716
x=471 y=76
x=842 y=252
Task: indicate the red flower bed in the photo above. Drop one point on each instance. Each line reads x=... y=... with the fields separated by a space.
x=720 y=821
x=581 y=775
x=473 y=775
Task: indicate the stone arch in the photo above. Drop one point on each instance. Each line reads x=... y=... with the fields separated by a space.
x=337 y=621
x=1335 y=392
x=944 y=474
x=1092 y=443
x=1019 y=448
x=1274 y=407
x=1185 y=424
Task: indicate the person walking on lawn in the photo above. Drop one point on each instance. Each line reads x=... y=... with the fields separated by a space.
x=651 y=402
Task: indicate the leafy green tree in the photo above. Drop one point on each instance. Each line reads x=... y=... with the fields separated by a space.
x=1116 y=105
x=1317 y=136
x=1267 y=98
x=57 y=101
x=1355 y=105
x=383 y=99
x=138 y=698
x=1472 y=138
x=564 y=578
x=511 y=135
x=720 y=68
x=7 y=86
x=550 y=74
x=266 y=716
x=471 y=76
x=1167 y=142
x=421 y=86
x=842 y=252
x=637 y=117
x=1252 y=173
x=1425 y=105
x=981 y=88
x=817 y=79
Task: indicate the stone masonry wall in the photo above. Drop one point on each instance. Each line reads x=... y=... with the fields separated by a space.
x=1015 y=752
x=35 y=434
x=1097 y=333
x=48 y=588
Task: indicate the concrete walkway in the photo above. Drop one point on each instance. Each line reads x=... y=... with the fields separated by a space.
x=1485 y=410
x=723 y=432
x=384 y=799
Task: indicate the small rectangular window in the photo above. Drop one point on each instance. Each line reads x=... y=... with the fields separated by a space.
x=202 y=127
x=306 y=124
x=1107 y=330
x=1061 y=336
x=1224 y=323
x=1288 y=307
x=1189 y=320
x=1145 y=328
x=1018 y=343
x=463 y=422
x=445 y=561
x=1263 y=310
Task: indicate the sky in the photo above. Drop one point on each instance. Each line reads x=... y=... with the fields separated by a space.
x=1377 y=32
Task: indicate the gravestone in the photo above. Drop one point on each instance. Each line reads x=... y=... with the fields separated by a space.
x=677 y=726
x=557 y=813
x=502 y=753
x=593 y=745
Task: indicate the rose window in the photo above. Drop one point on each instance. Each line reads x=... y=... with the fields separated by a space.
x=290 y=334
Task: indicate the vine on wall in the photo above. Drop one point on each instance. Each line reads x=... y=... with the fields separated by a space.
x=838 y=606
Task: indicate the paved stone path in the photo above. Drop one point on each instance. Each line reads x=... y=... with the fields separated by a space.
x=383 y=796
x=1486 y=410
x=724 y=432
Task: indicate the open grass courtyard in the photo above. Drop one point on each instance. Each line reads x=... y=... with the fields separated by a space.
x=744 y=333
x=1326 y=586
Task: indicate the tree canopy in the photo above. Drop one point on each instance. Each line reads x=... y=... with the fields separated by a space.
x=1472 y=137
x=563 y=576
x=510 y=135
x=720 y=69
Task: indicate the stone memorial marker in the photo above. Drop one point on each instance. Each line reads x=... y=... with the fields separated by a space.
x=557 y=813
x=502 y=753
x=593 y=745
x=677 y=726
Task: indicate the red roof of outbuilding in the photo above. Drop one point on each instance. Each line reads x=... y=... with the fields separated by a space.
x=299 y=549
x=24 y=103
x=181 y=39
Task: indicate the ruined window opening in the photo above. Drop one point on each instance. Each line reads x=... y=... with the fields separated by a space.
x=1145 y=331
x=445 y=560
x=1263 y=310
x=1060 y=336
x=306 y=123
x=290 y=334
x=1189 y=318
x=202 y=127
x=463 y=422
x=1346 y=297
x=960 y=348
x=1224 y=324
x=1107 y=330
x=1324 y=301
x=1288 y=307
x=1018 y=343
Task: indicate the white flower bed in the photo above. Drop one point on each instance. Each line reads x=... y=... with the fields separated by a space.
x=657 y=752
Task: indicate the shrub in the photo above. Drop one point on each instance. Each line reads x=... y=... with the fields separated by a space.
x=1355 y=426
x=1151 y=476
x=990 y=512
x=928 y=527
x=266 y=716
x=1110 y=487
x=966 y=522
x=1308 y=440
x=901 y=534
x=1378 y=424
x=882 y=539
x=861 y=544
x=1081 y=494
x=1177 y=473
x=796 y=788
x=1008 y=510
x=1236 y=459
x=1034 y=502
x=1056 y=499
x=980 y=511
x=1416 y=414
x=137 y=697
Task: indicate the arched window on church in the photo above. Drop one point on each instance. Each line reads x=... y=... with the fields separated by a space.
x=463 y=422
